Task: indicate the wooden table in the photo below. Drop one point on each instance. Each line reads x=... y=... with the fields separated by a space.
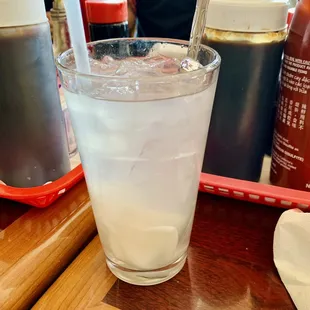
x=230 y=266
x=36 y=245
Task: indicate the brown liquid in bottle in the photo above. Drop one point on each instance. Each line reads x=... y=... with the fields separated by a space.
x=33 y=147
x=243 y=103
x=291 y=147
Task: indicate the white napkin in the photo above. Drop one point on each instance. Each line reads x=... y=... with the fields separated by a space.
x=292 y=255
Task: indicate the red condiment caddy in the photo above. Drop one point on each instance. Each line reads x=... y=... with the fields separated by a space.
x=45 y=195
x=261 y=193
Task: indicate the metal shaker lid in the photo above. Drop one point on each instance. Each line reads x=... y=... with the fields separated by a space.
x=21 y=12
x=250 y=16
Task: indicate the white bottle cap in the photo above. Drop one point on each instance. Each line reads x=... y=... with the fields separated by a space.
x=247 y=15
x=21 y=12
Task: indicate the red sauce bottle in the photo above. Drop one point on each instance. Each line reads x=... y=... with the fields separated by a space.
x=291 y=147
x=107 y=19
x=85 y=22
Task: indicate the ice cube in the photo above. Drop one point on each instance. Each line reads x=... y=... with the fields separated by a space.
x=107 y=60
x=135 y=67
x=171 y=66
x=188 y=64
x=145 y=249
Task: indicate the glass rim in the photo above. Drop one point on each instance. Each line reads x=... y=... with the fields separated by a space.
x=210 y=67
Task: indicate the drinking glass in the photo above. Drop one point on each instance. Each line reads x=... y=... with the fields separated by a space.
x=141 y=135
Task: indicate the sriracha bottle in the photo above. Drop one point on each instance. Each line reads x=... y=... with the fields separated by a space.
x=291 y=146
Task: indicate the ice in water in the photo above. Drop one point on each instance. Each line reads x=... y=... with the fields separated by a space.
x=142 y=163
x=133 y=67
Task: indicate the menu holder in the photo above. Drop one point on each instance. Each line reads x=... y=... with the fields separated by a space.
x=262 y=192
x=43 y=196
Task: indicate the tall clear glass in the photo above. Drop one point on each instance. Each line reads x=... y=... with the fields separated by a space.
x=142 y=138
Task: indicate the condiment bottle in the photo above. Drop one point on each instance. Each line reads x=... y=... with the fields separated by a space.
x=61 y=43
x=33 y=146
x=249 y=35
x=274 y=108
x=107 y=19
x=61 y=38
x=290 y=16
x=85 y=23
x=291 y=149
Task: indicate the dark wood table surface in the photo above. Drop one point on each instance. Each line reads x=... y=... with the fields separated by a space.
x=36 y=245
x=230 y=266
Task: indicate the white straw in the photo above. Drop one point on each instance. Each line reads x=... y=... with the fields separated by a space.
x=77 y=35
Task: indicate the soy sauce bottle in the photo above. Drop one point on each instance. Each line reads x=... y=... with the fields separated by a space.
x=33 y=146
x=249 y=35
